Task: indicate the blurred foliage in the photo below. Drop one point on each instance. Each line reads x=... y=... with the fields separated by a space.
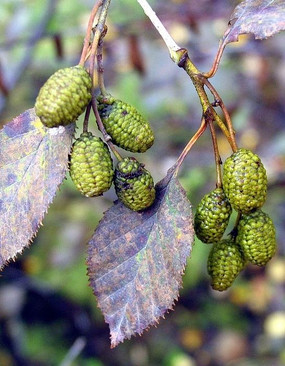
x=46 y=305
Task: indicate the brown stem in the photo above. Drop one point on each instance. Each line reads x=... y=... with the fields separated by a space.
x=86 y=118
x=216 y=62
x=220 y=102
x=98 y=31
x=233 y=233
x=188 y=147
x=3 y=87
x=58 y=44
x=218 y=160
x=100 y=67
x=88 y=33
x=107 y=138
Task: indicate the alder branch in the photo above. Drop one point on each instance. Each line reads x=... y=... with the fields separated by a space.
x=181 y=57
x=169 y=41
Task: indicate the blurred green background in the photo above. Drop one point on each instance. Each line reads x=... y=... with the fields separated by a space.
x=48 y=314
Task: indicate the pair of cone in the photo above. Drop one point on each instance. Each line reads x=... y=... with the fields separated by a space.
x=91 y=169
x=61 y=100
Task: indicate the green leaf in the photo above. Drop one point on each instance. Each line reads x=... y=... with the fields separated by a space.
x=262 y=18
x=33 y=162
x=136 y=260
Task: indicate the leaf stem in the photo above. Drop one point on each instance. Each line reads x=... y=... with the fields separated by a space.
x=188 y=147
x=107 y=138
x=88 y=33
x=216 y=62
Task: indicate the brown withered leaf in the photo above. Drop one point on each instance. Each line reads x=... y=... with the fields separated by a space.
x=136 y=260
x=33 y=162
x=262 y=18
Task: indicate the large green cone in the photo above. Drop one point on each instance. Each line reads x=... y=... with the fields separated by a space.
x=134 y=184
x=245 y=181
x=212 y=216
x=256 y=237
x=64 y=96
x=91 y=166
x=126 y=126
x=225 y=262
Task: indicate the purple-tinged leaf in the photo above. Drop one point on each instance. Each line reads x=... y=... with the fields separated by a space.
x=33 y=162
x=262 y=18
x=136 y=260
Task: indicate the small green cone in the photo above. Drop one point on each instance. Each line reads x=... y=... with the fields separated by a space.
x=212 y=216
x=134 y=184
x=91 y=165
x=245 y=181
x=256 y=237
x=64 y=96
x=126 y=126
x=225 y=262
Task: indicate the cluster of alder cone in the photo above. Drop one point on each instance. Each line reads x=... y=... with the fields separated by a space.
x=61 y=100
x=253 y=239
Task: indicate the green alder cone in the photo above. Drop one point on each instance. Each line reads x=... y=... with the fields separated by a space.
x=225 y=262
x=245 y=181
x=91 y=165
x=64 y=96
x=134 y=184
x=256 y=237
x=126 y=126
x=212 y=216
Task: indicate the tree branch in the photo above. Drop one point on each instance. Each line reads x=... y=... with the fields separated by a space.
x=170 y=43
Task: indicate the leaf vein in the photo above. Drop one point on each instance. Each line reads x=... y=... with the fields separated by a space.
x=25 y=172
x=129 y=258
x=119 y=289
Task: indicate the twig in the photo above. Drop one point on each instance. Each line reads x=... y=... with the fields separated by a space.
x=74 y=351
x=100 y=67
x=98 y=31
x=198 y=82
x=86 y=117
x=181 y=58
x=88 y=32
x=218 y=160
x=170 y=43
x=233 y=232
x=220 y=102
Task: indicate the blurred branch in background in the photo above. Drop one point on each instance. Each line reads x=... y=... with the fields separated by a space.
x=74 y=352
x=9 y=80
